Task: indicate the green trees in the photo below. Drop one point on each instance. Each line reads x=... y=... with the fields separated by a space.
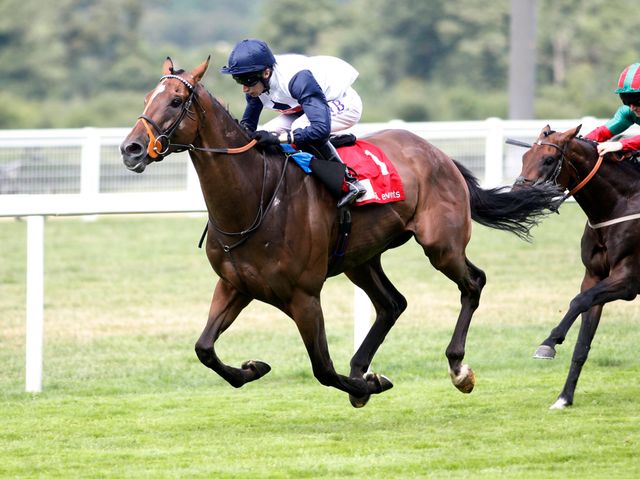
x=89 y=62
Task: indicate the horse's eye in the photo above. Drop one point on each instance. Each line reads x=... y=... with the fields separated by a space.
x=549 y=160
x=176 y=102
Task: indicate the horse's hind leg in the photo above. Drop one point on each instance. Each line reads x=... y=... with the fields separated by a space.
x=470 y=284
x=389 y=305
x=447 y=255
x=226 y=304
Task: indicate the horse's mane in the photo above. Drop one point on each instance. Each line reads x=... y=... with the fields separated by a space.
x=627 y=162
x=589 y=141
x=225 y=108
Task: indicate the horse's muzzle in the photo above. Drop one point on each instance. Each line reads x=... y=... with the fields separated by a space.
x=521 y=181
x=134 y=156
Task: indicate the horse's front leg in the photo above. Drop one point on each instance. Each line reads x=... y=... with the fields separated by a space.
x=226 y=305
x=589 y=302
x=307 y=314
x=389 y=305
x=593 y=292
x=590 y=321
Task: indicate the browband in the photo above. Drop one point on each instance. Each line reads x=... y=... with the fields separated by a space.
x=186 y=83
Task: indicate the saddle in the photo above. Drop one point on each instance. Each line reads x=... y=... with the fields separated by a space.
x=363 y=160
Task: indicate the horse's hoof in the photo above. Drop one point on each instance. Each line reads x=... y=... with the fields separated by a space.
x=359 y=402
x=465 y=380
x=258 y=368
x=544 y=352
x=560 y=403
x=377 y=384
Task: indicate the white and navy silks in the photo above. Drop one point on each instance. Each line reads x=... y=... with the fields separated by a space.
x=314 y=96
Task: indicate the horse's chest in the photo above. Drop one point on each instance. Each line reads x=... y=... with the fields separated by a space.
x=604 y=251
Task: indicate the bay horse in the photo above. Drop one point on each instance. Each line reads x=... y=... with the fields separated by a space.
x=271 y=229
x=608 y=191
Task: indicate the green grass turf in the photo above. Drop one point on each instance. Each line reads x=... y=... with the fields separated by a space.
x=125 y=396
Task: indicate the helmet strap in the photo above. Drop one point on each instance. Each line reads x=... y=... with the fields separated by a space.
x=265 y=81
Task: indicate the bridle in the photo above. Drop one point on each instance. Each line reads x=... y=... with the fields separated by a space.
x=165 y=136
x=521 y=180
x=161 y=145
x=581 y=184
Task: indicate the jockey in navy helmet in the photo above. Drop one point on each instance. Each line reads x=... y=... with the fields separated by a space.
x=313 y=95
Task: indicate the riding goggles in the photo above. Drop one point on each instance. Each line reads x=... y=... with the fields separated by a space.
x=248 y=80
x=630 y=99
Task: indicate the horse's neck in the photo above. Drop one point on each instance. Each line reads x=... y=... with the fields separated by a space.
x=231 y=183
x=606 y=193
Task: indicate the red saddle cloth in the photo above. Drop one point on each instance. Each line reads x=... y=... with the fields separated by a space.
x=374 y=170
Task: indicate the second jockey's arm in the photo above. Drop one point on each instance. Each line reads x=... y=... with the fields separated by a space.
x=602 y=133
x=621 y=121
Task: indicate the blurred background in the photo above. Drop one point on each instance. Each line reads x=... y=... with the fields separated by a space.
x=77 y=63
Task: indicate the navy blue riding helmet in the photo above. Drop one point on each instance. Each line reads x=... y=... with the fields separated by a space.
x=249 y=56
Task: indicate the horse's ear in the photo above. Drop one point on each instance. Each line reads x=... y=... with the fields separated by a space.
x=167 y=67
x=198 y=72
x=573 y=132
x=545 y=132
x=577 y=129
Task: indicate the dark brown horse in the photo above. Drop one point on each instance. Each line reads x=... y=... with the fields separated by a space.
x=608 y=191
x=272 y=229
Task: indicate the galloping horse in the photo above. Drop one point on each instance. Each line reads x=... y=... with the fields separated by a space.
x=608 y=191
x=272 y=229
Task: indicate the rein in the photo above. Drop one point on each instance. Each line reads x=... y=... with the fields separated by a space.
x=261 y=214
x=587 y=178
x=227 y=151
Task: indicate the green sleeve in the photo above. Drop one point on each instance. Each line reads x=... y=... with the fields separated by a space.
x=622 y=119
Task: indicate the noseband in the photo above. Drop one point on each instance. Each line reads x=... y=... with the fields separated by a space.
x=165 y=136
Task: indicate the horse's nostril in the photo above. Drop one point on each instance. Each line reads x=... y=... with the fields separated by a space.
x=133 y=149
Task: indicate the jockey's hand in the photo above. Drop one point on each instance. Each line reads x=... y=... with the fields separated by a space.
x=266 y=138
x=609 y=147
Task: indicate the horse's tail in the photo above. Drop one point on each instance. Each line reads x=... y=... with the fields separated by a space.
x=508 y=210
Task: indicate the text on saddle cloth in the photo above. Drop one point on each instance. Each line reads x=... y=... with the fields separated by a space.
x=374 y=171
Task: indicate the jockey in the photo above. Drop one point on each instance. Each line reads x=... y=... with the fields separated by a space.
x=624 y=117
x=313 y=95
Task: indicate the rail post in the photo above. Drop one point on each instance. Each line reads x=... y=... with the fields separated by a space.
x=35 y=303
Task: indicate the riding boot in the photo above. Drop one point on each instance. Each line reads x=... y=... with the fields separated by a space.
x=354 y=189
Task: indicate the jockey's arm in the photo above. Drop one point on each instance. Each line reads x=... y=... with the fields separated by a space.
x=305 y=89
x=251 y=115
x=631 y=144
x=621 y=121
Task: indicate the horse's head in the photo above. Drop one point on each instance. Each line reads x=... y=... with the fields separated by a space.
x=169 y=117
x=546 y=160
